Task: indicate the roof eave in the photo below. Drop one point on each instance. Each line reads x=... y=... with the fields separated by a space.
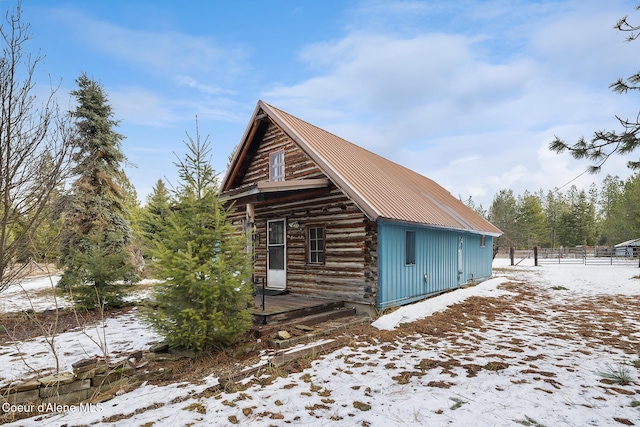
x=440 y=227
x=265 y=187
x=233 y=164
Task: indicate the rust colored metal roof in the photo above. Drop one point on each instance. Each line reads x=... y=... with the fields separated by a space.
x=384 y=190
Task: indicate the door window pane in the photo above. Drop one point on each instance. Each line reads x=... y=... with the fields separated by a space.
x=276 y=233
x=276 y=258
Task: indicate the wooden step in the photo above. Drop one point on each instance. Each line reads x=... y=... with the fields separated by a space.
x=308 y=320
x=286 y=314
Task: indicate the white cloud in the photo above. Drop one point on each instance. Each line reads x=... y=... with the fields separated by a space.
x=142 y=106
x=189 y=81
x=444 y=105
x=163 y=52
x=177 y=76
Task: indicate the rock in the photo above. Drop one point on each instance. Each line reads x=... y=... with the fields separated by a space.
x=84 y=362
x=57 y=379
x=162 y=347
x=283 y=335
x=22 y=386
x=84 y=365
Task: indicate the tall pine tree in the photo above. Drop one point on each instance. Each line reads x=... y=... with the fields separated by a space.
x=205 y=301
x=96 y=251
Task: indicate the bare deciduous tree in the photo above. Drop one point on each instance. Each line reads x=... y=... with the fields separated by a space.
x=35 y=146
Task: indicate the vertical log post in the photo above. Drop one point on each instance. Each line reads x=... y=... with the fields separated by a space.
x=512 y=254
x=535 y=256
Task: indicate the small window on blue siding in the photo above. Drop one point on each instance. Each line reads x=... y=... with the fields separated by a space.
x=410 y=248
x=483 y=240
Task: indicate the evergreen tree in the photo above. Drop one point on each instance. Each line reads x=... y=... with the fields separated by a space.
x=577 y=224
x=155 y=213
x=205 y=301
x=612 y=190
x=530 y=220
x=553 y=207
x=135 y=214
x=502 y=214
x=624 y=223
x=96 y=250
x=477 y=208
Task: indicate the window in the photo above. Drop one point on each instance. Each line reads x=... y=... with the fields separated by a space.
x=316 y=245
x=410 y=248
x=276 y=166
x=483 y=240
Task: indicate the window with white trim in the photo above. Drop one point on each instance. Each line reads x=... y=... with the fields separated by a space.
x=276 y=166
x=316 y=245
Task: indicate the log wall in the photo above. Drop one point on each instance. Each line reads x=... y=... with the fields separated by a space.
x=349 y=272
x=297 y=164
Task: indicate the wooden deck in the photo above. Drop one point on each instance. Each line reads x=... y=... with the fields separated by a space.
x=282 y=308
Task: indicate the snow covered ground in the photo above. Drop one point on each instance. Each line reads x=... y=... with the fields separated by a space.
x=33 y=294
x=38 y=295
x=117 y=337
x=529 y=355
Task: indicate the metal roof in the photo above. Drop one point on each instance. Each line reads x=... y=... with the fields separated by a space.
x=384 y=190
x=633 y=242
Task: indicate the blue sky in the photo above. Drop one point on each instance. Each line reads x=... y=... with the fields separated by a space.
x=468 y=93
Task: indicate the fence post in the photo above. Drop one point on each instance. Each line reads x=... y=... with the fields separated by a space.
x=512 y=254
x=535 y=256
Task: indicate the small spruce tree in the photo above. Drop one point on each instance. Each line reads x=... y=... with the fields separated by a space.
x=95 y=248
x=206 y=298
x=153 y=221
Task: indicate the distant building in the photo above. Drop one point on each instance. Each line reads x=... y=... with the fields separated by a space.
x=630 y=248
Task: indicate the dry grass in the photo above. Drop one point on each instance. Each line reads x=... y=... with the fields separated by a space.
x=606 y=321
x=22 y=327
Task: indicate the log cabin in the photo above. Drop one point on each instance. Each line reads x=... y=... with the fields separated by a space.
x=326 y=218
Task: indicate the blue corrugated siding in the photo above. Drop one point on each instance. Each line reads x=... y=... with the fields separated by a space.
x=436 y=257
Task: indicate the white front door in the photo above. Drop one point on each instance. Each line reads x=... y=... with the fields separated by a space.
x=276 y=254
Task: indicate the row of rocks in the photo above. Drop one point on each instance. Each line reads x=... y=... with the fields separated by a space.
x=93 y=380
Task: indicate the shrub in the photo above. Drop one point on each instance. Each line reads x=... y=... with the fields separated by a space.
x=619 y=374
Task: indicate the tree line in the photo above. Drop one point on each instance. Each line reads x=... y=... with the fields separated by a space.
x=65 y=199
x=605 y=215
